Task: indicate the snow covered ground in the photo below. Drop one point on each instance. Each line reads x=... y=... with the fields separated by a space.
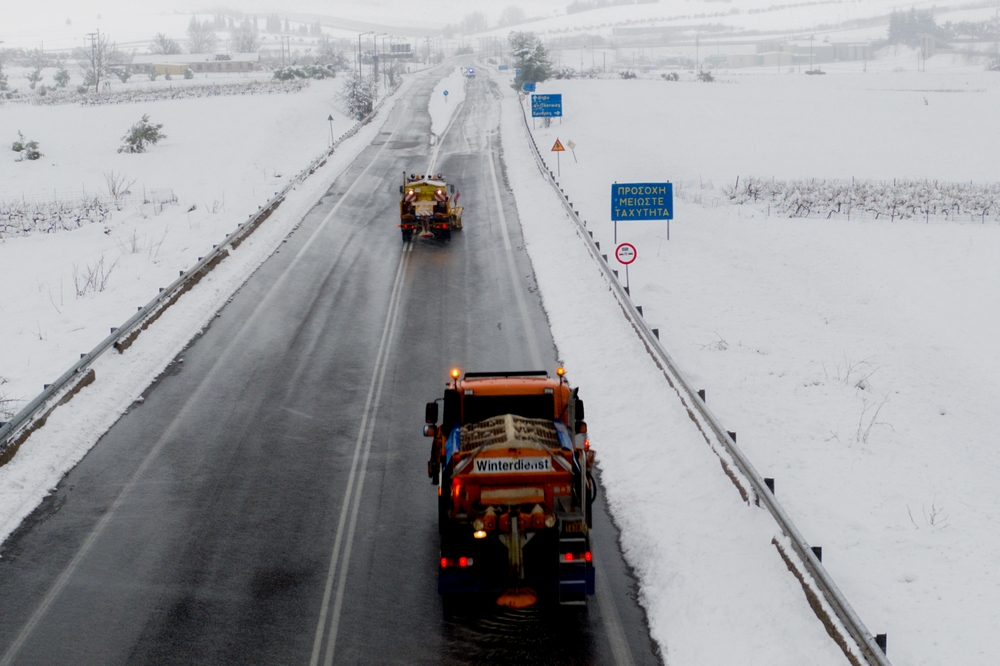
x=854 y=359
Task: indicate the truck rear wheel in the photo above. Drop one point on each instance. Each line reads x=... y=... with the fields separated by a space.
x=407 y=235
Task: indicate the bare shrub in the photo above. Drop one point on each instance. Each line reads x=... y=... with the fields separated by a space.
x=93 y=277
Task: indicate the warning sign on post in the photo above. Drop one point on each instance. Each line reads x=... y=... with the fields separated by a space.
x=557 y=147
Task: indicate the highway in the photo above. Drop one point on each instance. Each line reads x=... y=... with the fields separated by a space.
x=268 y=502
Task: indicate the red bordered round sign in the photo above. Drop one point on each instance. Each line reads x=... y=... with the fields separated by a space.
x=625 y=253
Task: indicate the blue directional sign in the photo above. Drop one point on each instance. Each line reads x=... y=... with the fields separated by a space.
x=502 y=68
x=528 y=87
x=546 y=106
x=642 y=201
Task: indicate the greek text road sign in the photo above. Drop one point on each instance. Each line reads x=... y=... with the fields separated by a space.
x=642 y=201
x=625 y=253
x=546 y=106
x=557 y=147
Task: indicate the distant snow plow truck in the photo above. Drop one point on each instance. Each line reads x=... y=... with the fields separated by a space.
x=426 y=209
x=515 y=491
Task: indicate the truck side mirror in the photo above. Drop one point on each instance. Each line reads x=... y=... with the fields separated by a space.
x=451 y=188
x=430 y=430
x=581 y=427
x=579 y=410
x=400 y=189
x=431 y=412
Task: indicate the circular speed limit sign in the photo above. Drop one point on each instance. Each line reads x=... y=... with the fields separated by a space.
x=625 y=253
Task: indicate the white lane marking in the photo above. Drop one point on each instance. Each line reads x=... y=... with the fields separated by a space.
x=352 y=496
x=95 y=534
x=612 y=621
x=343 y=198
x=536 y=355
x=440 y=139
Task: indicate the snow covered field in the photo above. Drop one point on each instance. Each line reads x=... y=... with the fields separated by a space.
x=50 y=314
x=854 y=359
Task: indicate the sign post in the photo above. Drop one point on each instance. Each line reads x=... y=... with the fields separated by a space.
x=557 y=148
x=626 y=254
x=642 y=201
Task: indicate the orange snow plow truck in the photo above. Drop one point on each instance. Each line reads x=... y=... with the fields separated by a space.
x=426 y=207
x=513 y=465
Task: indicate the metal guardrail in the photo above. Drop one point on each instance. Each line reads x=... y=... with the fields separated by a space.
x=831 y=593
x=35 y=413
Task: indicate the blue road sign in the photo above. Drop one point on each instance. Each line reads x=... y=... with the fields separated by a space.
x=517 y=72
x=528 y=87
x=445 y=93
x=503 y=68
x=546 y=106
x=642 y=201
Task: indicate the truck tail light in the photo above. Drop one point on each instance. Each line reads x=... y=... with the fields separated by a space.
x=576 y=557
x=453 y=562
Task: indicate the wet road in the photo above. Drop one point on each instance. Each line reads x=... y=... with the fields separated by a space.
x=268 y=503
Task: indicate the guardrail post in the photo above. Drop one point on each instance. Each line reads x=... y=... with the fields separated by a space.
x=732 y=435
x=880 y=641
x=770 y=484
x=656 y=332
x=701 y=394
x=818 y=552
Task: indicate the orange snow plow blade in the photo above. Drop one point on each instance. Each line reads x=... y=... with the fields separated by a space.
x=518 y=597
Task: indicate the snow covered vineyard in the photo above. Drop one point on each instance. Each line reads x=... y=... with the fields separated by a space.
x=899 y=199
x=141 y=93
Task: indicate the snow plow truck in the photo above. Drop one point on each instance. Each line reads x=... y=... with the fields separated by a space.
x=512 y=463
x=426 y=207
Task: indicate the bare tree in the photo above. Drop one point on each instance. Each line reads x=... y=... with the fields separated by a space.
x=201 y=37
x=98 y=59
x=393 y=70
x=244 y=39
x=163 y=45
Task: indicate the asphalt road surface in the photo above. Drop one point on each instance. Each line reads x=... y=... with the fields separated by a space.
x=268 y=502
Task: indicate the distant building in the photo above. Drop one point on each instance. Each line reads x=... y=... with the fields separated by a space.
x=196 y=62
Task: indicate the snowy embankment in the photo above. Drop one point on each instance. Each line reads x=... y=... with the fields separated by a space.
x=447 y=96
x=223 y=158
x=855 y=359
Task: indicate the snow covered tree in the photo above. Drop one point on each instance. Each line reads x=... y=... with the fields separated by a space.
x=244 y=39
x=531 y=57
x=61 y=77
x=141 y=135
x=327 y=53
x=512 y=15
x=358 y=95
x=474 y=22
x=28 y=150
x=201 y=37
x=163 y=45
